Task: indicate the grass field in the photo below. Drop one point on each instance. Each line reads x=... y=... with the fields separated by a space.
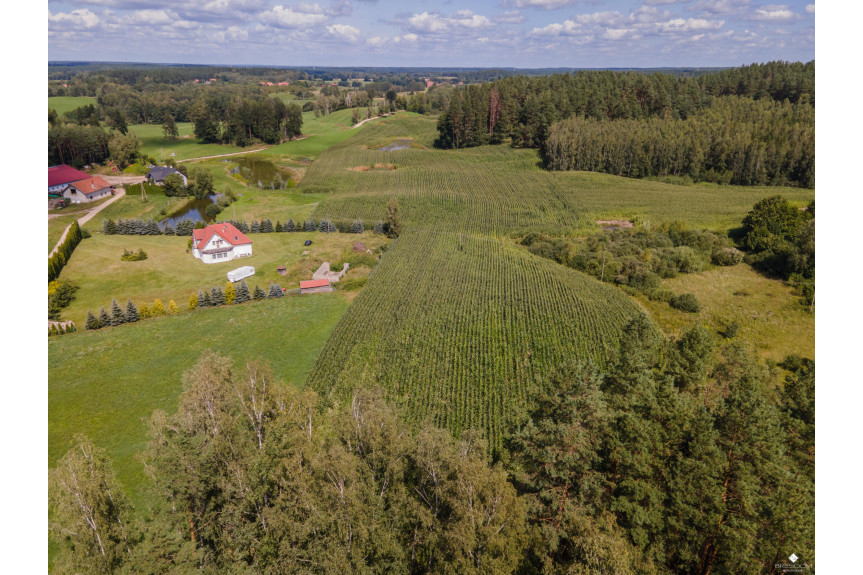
x=63 y=104
x=171 y=273
x=186 y=146
x=104 y=383
x=768 y=312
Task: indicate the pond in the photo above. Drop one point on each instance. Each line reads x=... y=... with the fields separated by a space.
x=194 y=210
x=403 y=144
x=263 y=174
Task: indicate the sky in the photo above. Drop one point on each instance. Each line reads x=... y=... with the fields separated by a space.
x=497 y=33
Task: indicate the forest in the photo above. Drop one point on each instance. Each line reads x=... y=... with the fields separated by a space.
x=752 y=125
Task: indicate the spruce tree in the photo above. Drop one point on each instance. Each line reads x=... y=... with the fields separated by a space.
x=259 y=293
x=173 y=308
x=117 y=315
x=275 y=291
x=279 y=227
x=169 y=231
x=290 y=226
x=357 y=227
x=91 y=322
x=230 y=293
x=131 y=312
x=243 y=294
x=266 y=226
x=379 y=227
x=256 y=227
x=104 y=318
x=203 y=299
x=109 y=227
x=217 y=296
x=158 y=308
x=310 y=226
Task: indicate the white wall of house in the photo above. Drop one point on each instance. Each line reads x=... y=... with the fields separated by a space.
x=217 y=241
x=76 y=197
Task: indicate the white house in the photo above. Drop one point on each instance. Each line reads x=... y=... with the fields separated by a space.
x=220 y=243
x=94 y=188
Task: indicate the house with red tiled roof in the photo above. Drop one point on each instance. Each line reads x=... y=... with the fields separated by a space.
x=61 y=176
x=83 y=191
x=220 y=243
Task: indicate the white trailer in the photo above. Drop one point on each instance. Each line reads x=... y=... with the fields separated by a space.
x=240 y=273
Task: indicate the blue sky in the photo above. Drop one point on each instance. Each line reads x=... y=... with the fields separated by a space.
x=510 y=33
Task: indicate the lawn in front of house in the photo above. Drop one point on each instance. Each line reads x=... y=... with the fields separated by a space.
x=170 y=272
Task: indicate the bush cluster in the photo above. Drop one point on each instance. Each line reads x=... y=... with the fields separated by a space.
x=60 y=295
x=57 y=262
x=138 y=256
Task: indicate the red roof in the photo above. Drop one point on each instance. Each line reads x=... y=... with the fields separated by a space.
x=91 y=185
x=63 y=174
x=226 y=231
x=314 y=283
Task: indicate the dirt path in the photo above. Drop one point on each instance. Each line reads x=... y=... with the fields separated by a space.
x=87 y=217
x=225 y=155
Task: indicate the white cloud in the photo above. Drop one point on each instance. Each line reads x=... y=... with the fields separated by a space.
x=599 y=18
x=308 y=8
x=434 y=23
x=377 y=41
x=722 y=6
x=468 y=19
x=565 y=28
x=426 y=22
x=690 y=24
x=282 y=17
x=510 y=17
x=345 y=32
x=151 y=18
x=82 y=18
x=616 y=33
x=543 y=4
x=810 y=8
x=775 y=13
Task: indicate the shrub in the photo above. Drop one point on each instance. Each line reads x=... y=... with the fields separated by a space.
x=173 y=308
x=644 y=281
x=158 y=308
x=686 y=302
x=353 y=284
x=230 y=293
x=259 y=293
x=686 y=260
x=92 y=322
x=727 y=257
x=731 y=330
x=213 y=210
x=138 y=256
x=193 y=301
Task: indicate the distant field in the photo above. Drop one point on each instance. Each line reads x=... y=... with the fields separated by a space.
x=106 y=383
x=770 y=315
x=171 y=273
x=155 y=144
x=63 y=104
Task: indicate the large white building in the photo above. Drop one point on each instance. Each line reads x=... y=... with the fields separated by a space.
x=220 y=243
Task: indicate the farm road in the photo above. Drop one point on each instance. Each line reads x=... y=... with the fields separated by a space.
x=88 y=216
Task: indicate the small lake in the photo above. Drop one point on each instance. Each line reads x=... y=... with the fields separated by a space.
x=397 y=145
x=194 y=210
x=262 y=174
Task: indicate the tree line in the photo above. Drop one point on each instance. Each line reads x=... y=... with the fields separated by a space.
x=527 y=111
x=679 y=458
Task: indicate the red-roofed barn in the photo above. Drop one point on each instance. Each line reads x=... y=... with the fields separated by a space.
x=83 y=191
x=60 y=176
x=220 y=243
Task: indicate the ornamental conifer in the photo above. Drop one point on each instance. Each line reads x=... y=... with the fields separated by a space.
x=279 y=227
x=275 y=291
x=357 y=227
x=158 y=308
x=266 y=226
x=173 y=308
x=243 y=294
x=117 y=315
x=259 y=293
x=290 y=226
x=310 y=226
x=230 y=293
x=256 y=227
x=379 y=227
x=145 y=312
x=193 y=301
x=217 y=296
x=203 y=299
x=104 y=318
x=91 y=322
x=131 y=312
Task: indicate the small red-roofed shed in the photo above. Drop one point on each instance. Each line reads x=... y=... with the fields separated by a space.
x=315 y=286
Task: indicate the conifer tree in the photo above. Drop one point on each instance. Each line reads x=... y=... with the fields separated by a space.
x=203 y=299
x=52 y=331
x=131 y=312
x=117 y=315
x=145 y=312
x=290 y=226
x=275 y=291
x=193 y=301
x=169 y=231
x=394 y=221
x=230 y=293
x=158 y=308
x=255 y=228
x=310 y=225
x=357 y=227
x=104 y=318
x=173 y=308
x=259 y=293
x=217 y=296
x=243 y=294
x=279 y=227
x=266 y=226
x=379 y=227
x=109 y=227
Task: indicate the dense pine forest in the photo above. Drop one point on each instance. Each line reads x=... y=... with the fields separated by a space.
x=753 y=125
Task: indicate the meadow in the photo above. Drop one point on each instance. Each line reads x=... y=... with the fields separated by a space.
x=63 y=104
x=107 y=383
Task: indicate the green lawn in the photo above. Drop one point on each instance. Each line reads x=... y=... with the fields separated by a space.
x=56 y=227
x=171 y=273
x=63 y=104
x=106 y=383
x=155 y=144
x=770 y=315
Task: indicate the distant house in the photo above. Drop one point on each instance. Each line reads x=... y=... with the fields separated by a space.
x=61 y=176
x=220 y=243
x=284 y=84
x=315 y=286
x=84 y=191
x=158 y=175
